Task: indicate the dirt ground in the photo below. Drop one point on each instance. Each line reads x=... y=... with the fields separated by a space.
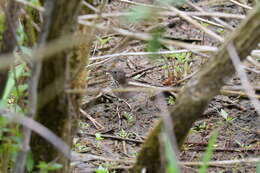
x=126 y=123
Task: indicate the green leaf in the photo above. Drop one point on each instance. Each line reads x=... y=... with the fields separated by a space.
x=29 y=162
x=154 y=44
x=171 y=100
x=20 y=34
x=103 y=41
x=175 y=3
x=98 y=136
x=101 y=169
x=26 y=50
x=171 y=166
x=138 y=13
x=137 y=76
x=21 y=89
x=54 y=166
x=258 y=167
x=11 y=82
x=44 y=167
x=2 y=22
x=209 y=152
x=224 y=114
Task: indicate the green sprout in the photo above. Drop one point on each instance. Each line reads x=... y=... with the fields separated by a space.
x=129 y=117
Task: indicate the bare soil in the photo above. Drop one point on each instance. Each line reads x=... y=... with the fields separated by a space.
x=125 y=128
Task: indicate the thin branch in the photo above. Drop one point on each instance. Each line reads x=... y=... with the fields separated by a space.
x=241 y=5
x=167 y=133
x=196 y=24
x=253 y=61
x=215 y=18
x=243 y=77
x=164 y=13
x=208 y=22
x=38 y=128
x=147 y=37
x=90 y=6
x=222 y=162
x=47 y=50
x=41 y=9
x=139 y=54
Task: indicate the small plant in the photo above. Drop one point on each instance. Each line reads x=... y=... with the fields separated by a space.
x=240 y=144
x=79 y=147
x=136 y=77
x=83 y=125
x=101 y=169
x=171 y=100
x=182 y=63
x=220 y=30
x=225 y=115
x=200 y=126
x=204 y=24
x=122 y=133
x=9 y=146
x=128 y=116
x=98 y=137
x=103 y=41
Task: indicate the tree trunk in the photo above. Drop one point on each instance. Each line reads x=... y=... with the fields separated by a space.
x=52 y=105
x=193 y=100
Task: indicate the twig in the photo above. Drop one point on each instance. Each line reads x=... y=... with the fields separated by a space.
x=146 y=88
x=138 y=54
x=253 y=61
x=38 y=128
x=167 y=135
x=118 y=138
x=186 y=78
x=252 y=70
x=147 y=37
x=208 y=22
x=88 y=157
x=24 y=2
x=222 y=162
x=47 y=50
x=95 y=123
x=243 y=77
x=143 y=70
x=225 y=149
x=239 y=87
x=215 y=18
x=164 y=13
x=90 y=6
x=237 y=93
x=196 y=24
x=241 y=5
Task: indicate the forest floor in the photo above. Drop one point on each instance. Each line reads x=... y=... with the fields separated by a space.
x=125 y=128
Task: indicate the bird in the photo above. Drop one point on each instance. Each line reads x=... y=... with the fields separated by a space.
x=120 y=80
x=119 y=77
